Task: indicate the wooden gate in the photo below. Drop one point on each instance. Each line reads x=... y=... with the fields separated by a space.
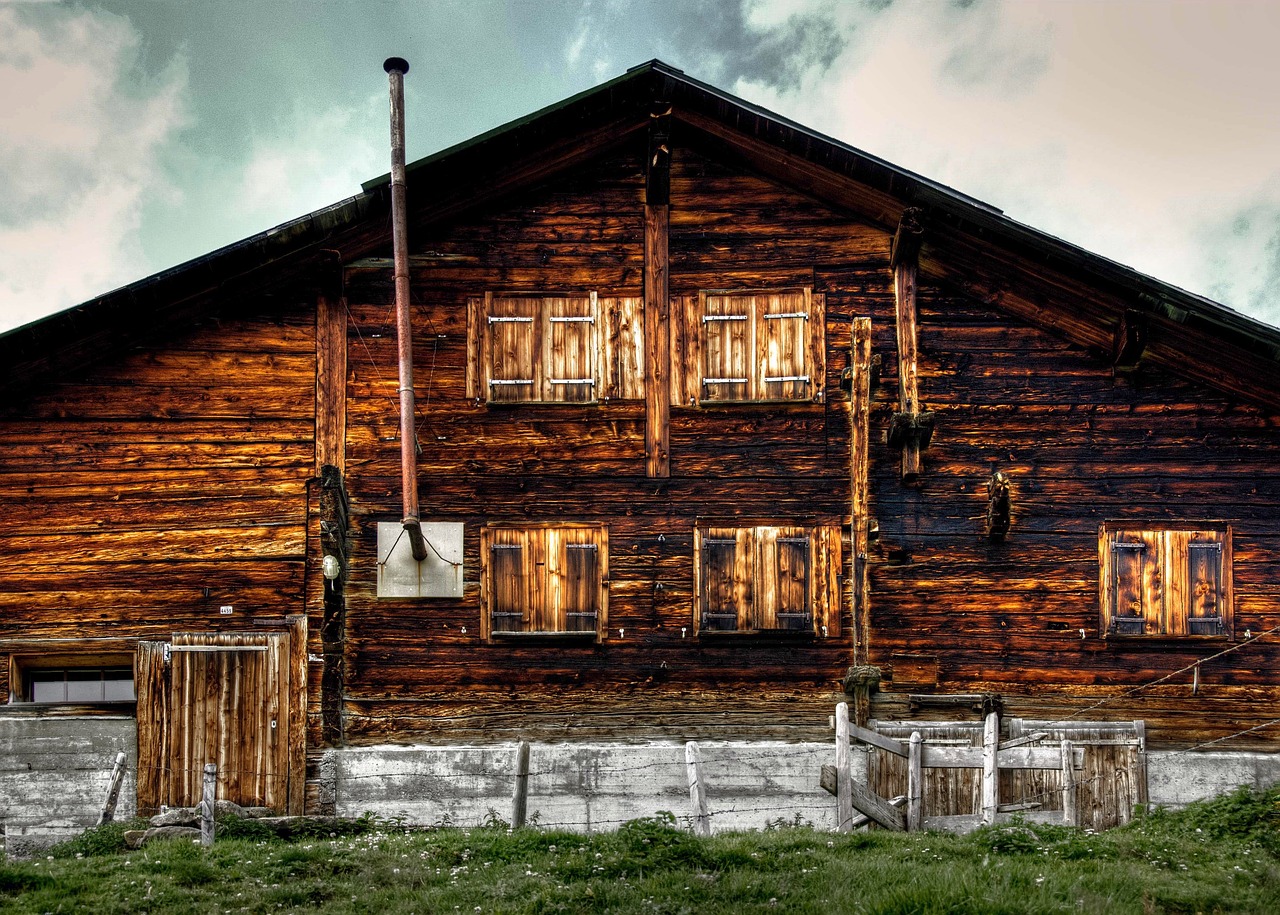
x=1109 y=784
x=230 y=698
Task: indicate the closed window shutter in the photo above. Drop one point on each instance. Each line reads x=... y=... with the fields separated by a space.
x=513 y=350
x=727 y=347
x=509 y=580
x=1135 y=607
x=576 y=592
x=1205 y=594
x=727 y=575
x=783 y=335
x=783 y=598
x=571 y=348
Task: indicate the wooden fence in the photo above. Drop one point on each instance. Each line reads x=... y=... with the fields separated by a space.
x=959 y=775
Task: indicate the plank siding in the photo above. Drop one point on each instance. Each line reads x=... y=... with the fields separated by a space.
x=146 y=492
x=1080 y=446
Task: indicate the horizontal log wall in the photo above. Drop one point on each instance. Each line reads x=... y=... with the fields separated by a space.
x=160 y=485
x=418 y=670
x=953 y=611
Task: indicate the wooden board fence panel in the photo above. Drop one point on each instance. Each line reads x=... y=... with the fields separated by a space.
x=227 y=698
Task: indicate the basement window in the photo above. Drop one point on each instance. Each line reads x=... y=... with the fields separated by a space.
x=1158 y=581
x=767 y=579
x=544 y=580
x=755 y=346
x=572 y=348
x=71 y=680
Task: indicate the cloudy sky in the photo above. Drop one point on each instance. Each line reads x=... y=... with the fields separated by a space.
x=137 y=134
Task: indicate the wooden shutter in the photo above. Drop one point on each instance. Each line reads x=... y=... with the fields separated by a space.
x=1196 y=583
x=783 y=353
x=726 y=568
x=571 y=350
x=513 y=349
x=575 y=579
x=727 y=347
x=1134 y=582
x=508 y=577
x=783 y=598
x=621 y=344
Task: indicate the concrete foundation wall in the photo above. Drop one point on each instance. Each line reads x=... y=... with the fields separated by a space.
x=1175 y=779
x=54 y=775
x=585 y=787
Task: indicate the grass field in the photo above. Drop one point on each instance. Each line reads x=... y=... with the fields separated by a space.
x=1220 y=856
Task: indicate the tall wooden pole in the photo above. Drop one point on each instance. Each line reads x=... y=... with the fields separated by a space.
x=396 y=69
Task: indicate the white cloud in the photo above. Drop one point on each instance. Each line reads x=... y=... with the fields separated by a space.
x=308 y=161
x=80 y=137
x=1148 y=138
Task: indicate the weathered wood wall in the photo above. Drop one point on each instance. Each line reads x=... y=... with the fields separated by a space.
x=953 y=611
x=148 y=491
x=418 y=670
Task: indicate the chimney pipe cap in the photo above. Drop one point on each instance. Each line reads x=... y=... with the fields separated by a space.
x=396 y=63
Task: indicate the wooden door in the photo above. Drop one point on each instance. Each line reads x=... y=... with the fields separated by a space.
x=227 y=698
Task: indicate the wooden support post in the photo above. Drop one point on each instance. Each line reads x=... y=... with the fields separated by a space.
x=1070 y=794
x=520 y=798
x=113 y=791
x=844 y=770
x=860 y=487
x=208 y=804
x=990 y=769
x=697 y=794
x=657 y=298
x=915 y=783
x=1140 y=769
x=910 y=428
x=331 y=370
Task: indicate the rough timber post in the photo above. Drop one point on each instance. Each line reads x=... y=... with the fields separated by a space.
x=990 y=769
x=697 y=793
x=844 y=773
x=915 y=783
x=860 y=488
x=911 y=427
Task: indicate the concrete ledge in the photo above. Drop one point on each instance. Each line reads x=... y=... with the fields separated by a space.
x=585 y=787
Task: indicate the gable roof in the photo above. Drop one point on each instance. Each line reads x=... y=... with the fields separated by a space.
x=1082 y=295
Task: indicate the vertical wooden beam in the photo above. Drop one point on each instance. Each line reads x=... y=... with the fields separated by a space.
x=915 y=783
x=334 y=529
x=331 y=374
x=297 y=714
x=697 y=792
x=1070 y=793
x=520 y=796
x=844 y=773
x=904 y=259
x=657 y=343
x=208 y=804
x=657 y=298
x=990 y=769
x=860 y=488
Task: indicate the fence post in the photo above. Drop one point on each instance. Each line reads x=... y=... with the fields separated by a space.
x=1070 y=793
x=990 y=769
x=697 y=795
x=113 y=791
x=915 y=783
x=844 y=771
x=520 y=799
x=208 y=804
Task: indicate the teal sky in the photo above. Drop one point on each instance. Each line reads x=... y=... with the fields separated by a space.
x=137 y=134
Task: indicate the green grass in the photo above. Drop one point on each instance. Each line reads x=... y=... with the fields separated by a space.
x=1220 y=856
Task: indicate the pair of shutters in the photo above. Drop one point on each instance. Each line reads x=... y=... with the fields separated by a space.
x=767 y=578
x=564 y=348
x=758 y=346
x=1166 y=582
x=549 y=579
